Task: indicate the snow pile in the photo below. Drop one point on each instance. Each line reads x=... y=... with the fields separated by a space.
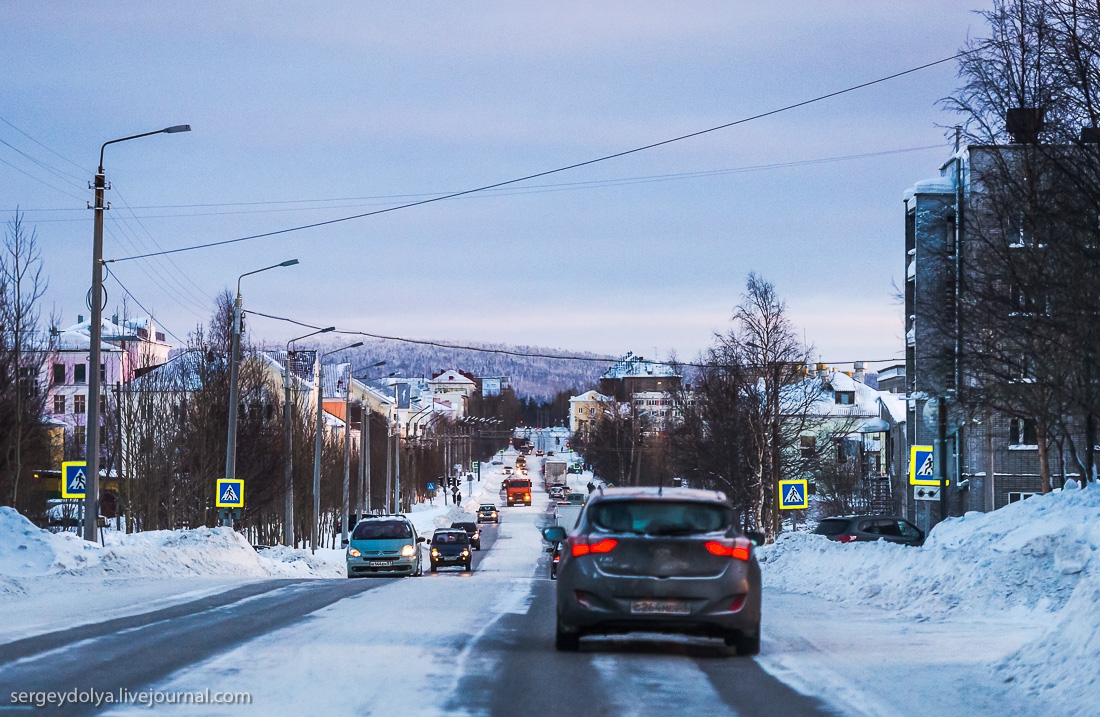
x=1040 y=555
x=28 y=551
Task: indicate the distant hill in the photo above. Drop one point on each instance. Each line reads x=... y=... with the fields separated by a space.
x=531 y=377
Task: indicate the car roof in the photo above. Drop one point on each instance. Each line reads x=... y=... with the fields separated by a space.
x=487 y=505
x=462 y=522
x=647 y=493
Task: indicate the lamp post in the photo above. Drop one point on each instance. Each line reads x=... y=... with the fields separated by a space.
x=345 y=503
x=288 y=444
x=95 y=304
x=319 y=372
x=234 y=370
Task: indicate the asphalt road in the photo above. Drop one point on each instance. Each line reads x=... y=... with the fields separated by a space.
x=508 y=667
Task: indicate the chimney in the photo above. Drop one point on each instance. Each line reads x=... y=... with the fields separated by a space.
x=859 y=373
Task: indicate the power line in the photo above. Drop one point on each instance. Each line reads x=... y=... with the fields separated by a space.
x=59 y=156
x=526 y=354
x=548 y=172
x=142 y=307
x=530 y=189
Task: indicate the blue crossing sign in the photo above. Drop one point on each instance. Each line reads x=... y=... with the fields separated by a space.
x=793 y=495
x=74 y=479
x=230 y=493
x=922 y=466
x=431 y=486
x=476 y=465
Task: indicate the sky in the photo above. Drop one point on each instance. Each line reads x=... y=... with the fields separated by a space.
x=309 y=111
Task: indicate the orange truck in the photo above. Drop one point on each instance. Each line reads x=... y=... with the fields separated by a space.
x=519 y=491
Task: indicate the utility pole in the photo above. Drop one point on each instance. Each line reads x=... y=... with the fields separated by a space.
x=345 y=507
x=95 y=347
x=941 y=448
x=397 y=451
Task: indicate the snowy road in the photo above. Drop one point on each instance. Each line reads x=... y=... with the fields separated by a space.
x=481 y=643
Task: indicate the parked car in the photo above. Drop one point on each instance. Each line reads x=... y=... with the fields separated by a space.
x=384 y=545
x=488 y=512
x=549 y=453
x=498 y=460
x=508 y=470
x=472 y=533
x=657 y=560
x=450 y=548
x=856 y=528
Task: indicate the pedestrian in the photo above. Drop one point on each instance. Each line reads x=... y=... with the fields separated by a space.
x=458 y=498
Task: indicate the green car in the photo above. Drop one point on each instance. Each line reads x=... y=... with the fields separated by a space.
x=384 y=545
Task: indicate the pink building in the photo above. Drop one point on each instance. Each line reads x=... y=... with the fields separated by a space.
x=129 y=345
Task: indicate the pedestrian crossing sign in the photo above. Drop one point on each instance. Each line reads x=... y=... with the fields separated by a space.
x=793 y=495
x=74 y=479
x=230 y=493
x=922 y=466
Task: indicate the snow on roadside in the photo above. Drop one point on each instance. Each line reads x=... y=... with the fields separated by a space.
x=1037 y=557
x=27 y=551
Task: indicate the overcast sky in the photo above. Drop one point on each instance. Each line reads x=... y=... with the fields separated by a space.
x=360 y=102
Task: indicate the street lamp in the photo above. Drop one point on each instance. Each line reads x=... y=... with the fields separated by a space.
x=234 y=370
x=345 y=505
x=288 y=444
x=95 y=304
x=319 y=371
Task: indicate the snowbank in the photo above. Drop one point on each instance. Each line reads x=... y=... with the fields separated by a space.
x=27 y=551
x=1039 y=556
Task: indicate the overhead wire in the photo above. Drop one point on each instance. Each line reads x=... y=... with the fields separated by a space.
x=142 y=306
x=575 y=165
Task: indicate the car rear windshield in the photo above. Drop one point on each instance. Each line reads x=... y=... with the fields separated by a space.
x=652 y=517
x=464 y=526
x=455 y=538
x=382 y=530
x=831 y=526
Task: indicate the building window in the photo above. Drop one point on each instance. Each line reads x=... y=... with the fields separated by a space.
x=809 y=446
x=58 y=374
x=80 y=373
x=79 y=435
x=79 y=405
x=845 y=398
x=103 y=372
x=1022 y=432
x=59 y=404
x=1017 y=496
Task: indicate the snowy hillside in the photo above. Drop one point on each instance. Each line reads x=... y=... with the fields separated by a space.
x=534 y=377
x=1038 y=556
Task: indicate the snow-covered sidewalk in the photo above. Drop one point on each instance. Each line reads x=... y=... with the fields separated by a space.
x=1010 y=599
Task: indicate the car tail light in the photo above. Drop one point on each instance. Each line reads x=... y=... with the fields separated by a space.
x=741 y=549
x=580 y=546
x=846 y=538
x=738 y=602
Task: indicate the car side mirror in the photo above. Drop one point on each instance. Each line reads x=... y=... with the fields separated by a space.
x=420 y=539
x=755 y=538
x=345 y=543
x=555 y=533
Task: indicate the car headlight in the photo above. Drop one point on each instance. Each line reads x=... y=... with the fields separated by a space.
x=477 y=534
x=408 y=551
x=354 y=553
x=465 y=552
x=435 y=553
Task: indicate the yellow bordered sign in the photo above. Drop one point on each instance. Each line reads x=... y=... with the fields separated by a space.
x=794 y=495
x=922 y=467
x=230 y=493
x=74 y=479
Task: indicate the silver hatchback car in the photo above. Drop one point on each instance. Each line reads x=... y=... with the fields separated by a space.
x=657 y=560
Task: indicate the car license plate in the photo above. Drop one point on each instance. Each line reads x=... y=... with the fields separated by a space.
x=381 y=563
x=660 y=607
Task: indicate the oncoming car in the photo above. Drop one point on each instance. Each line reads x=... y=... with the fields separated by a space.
x=487 y=512
x=657 y=560
x=384 y=545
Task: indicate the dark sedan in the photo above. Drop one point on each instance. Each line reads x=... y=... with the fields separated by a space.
x=472 y=532
x=650 y=560
x=450 y=548
x=853 y=528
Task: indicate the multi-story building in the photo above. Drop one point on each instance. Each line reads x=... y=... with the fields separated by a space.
x=634 y=374
x=992 y=456
x=585 y=409
x=129 y=348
